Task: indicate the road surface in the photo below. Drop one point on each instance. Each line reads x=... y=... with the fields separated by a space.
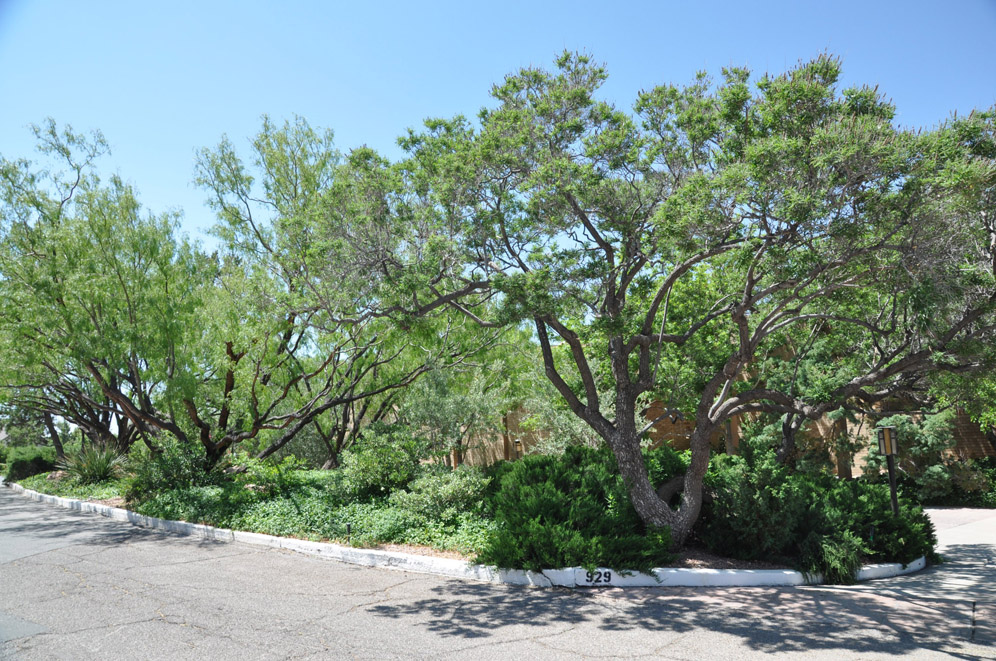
x=79 y=586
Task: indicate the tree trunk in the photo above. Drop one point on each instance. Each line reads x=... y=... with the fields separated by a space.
x=842 y=453
x=506 y=438
x=649 y=506
x=54 y=434
x=728 y=440
x=788 y=451
x=213 y=454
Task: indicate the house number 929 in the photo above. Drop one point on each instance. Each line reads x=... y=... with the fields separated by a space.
x=598 y=577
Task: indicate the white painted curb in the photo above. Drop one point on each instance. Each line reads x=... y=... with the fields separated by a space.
x=571 y=577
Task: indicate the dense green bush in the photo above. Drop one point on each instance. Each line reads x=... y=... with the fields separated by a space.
x=93 y=464
x=442 y=494
x=29 y=460
x=836 y=555
x=568 y=510
x=384 y=459
x=174 y=466
x=757 y=511
x=197 y=504
x=865 y=510
x=3 y=453
x=663 y=463
x=822 y=524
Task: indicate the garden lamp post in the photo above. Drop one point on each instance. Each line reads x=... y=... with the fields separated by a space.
x=887 y=447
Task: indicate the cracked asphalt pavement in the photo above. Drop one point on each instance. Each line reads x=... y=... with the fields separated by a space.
x=79 y=586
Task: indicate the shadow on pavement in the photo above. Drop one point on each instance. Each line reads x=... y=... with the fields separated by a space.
x=767 y=620
x=21 y=516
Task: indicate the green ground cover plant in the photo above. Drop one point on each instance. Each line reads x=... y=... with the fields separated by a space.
x=69 y=488
x=382 y=494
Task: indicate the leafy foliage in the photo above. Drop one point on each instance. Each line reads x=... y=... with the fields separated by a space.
x=175 y=465
x=568 y=510
x=442 y=494
x=93 y=464
x=865 y=511
x=384 y=459
x=826 y=525
x=758 y=510
x=929 y=469
x=25 y=461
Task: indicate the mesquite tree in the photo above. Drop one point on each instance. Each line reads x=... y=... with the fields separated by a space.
x=310 y=330
x=99 y=301
x=670 y=252
x=112 y=321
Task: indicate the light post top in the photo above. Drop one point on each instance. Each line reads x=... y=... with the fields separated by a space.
x=887 y=440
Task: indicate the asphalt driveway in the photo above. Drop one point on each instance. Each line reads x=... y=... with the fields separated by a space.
x=79 y=586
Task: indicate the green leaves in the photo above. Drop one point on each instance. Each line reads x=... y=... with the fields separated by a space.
x=99 y=297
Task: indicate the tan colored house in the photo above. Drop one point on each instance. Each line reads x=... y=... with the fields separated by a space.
x=516 y=440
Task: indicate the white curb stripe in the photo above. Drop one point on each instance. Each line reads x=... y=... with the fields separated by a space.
x=571 y=577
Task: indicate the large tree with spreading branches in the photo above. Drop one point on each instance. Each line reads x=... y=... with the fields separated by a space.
x=673 y=252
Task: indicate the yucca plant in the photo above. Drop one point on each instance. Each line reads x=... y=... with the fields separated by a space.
x=93 y=464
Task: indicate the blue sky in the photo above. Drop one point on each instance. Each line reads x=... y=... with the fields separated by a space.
x=162 y=80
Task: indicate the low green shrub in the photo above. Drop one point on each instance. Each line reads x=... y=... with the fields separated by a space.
x=865 y=510
x=384 y=459
x=442 y=494
x=3 y=453
x=72 y=489
x=822 y=524
x=270 y=476
x=93 y=464
x=757 y=510
x=568 y=510
x=174 y=466
x=196 y=504
x=28 y=460
x=305 y=513
x=374 y=522
x=836 y=555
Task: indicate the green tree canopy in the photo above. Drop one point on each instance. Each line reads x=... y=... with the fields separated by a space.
x=674 y=249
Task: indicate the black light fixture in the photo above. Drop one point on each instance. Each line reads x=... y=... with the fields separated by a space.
x=887 y=441
x=887 y=446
